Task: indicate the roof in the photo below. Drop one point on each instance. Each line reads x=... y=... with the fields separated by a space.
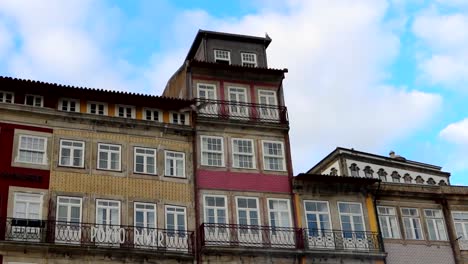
x=335 y=179
x=94 y=94
x=340 y=150
x=232 y=67
x=224 y=36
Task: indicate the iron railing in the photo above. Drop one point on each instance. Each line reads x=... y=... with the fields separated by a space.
x=240 y=111
x=97 y=235
x=231 y=235
x=327 y=239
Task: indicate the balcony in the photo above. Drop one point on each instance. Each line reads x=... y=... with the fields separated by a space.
x=307 y=241
x=84 y=235
x=242 y=112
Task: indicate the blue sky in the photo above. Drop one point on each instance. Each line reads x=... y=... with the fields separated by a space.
x=373 y=75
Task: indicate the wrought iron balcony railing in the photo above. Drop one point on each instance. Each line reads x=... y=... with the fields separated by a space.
x=240 y=111
x=327 y=239
x=96 y=235
x=231 y=235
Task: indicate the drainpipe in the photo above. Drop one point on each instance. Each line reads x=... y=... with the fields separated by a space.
x=378 y=220
x=198 y=231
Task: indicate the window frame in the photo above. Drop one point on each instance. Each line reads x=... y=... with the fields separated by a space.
x=69 y=197
x=184 y=176
x=207 y=87
x=388 y=222
x=108 y=200
x=463 y=224
x=125 y=107
x=3 y=98
x=105 y=110
x=216 y=58
x=69 y=100
x=202 y=151
x=83 y=148
x=436 y=226
x=186 y=118
x=205 y=206
x=176 y=213
x=259 y=216
x=44 y=151
x=317 y=212
x=254 y=165
x=264 y=155
x=145 y=210
x=417 y=217
x=288 y=202
x=152 y=110
x=352 y=214
x=145 y=170
x=35 y=96
x=40 y=197
x=109 y=161
x=254 y=62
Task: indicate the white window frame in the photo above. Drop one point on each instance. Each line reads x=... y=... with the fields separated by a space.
x=109 y=159
x=317 y=213
x=250 y=63
x=119 y=207
x=216 y=57
x=178 y=121
x=145 y=210
x=152 y=117
x=125 y=108
x=27 y=233
x=249 y=209
x=44 y=151
x=88 y=108
x=440 y=231
x=68 y=100
x=242 y=153
x=206 y=86
x=204 y=161
x=3 y=98
x=270 y=112
x=167 y=169
x=412 y=235
x=461 y=228
x=32 y=197
x=69 y=211
x=238 y=108
x=265 y=155
x=72 y=155
x=351 y=217
x=385 y=219
x=288 y=202
x=35 y=97
x=175 y=218
x=205 y=207
x=145 y=162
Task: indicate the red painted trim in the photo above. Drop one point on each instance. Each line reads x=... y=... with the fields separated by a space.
x=240 y=181
x=221 y=90
x=204 y=78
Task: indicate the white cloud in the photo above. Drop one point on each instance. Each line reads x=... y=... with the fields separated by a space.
x=456 y=132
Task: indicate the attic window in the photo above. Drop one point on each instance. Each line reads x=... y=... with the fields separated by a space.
x=407 y=178
x=354 y=170
x=333 y=172
x=396 y=176
x=431 y=181
x=249 y=59
x=382 y=175
x=368 y=172
x=419 y=179
x=222 y=56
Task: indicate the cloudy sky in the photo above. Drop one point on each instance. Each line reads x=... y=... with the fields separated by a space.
x=371 y=75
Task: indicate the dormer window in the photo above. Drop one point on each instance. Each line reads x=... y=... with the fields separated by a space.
x=125 y=111
x=34 y=100
x=396 y=176
x=354 y=170
x=368 y=172
x=249 y=59
x=382 y=175
x=222 y=56
x=97 y=108
x=179 y=118
x=7 y=97
x=69 y=105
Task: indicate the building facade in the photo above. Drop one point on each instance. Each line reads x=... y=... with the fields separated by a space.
x=94 y=181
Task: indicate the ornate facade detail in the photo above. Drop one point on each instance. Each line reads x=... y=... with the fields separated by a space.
x=407 y=178
x=442 y=183
x=354 y=170
x=368 y=172
x=431 y=181
x=419 y=179
x=333 y=172
x=382 y=174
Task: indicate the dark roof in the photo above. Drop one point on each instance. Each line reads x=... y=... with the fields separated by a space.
x=94 y=94
x=335 y=179
x=224 y=36
x=233 y=67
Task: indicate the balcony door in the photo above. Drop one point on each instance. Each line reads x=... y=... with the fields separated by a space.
x=268 y=105
x=107 y=223
x=27 y=212
x=68 y=225
x=352 y=224
x=281 y=235
x=207 y=96
x=176 y=228
x=216 y=229
x=319 y=231
x=238 y=100
x=248 y=218
x=145 y=224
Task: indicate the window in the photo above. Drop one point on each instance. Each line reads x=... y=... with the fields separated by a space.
x=7 y=97
x=382 y=175
x=32 y=149
x=176 y=220
x=248 y=219
x=27 y=206
x=215 y=209
x=71 y=153
x=207 y=92
x=222 y=56
x=34 y=100
x=419 y=179
x=351 y=219
x=333 y=172
x=243 y=153
x=238 y=99
x=125 y=111
x=278 y=210
x=145 y=160
x=107 y=212
x=145 y=220
x=460 y=219
x=179 y=118
x=69 y=105
x=268 y=104
x=152 y=114
x=109 y=157
x=175 y=164
x=317 y=215
x=368 y=172
x=435 y=224
x=396 y=176
x=354 y=170
x=97 y=108
x=407 y=178
x=212 y=151
x=68 y=226
x=388 y=222
x=273 y=156
x=412 y=223
x=249 y=59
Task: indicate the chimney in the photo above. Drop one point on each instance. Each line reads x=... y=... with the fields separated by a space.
x=392 y=154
